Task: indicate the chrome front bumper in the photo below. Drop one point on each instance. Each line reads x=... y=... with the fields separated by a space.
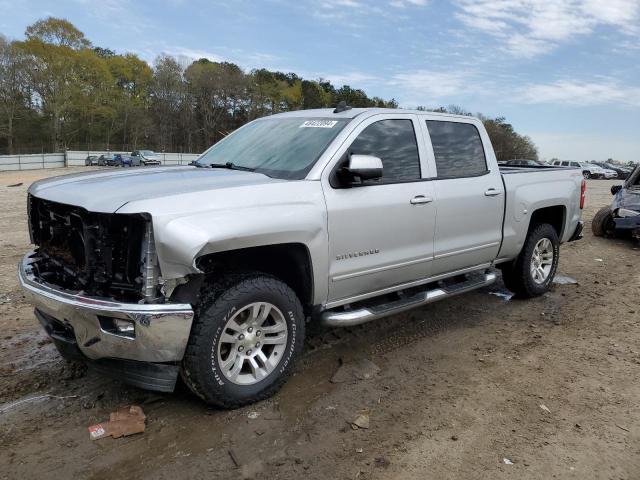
x=161 y=330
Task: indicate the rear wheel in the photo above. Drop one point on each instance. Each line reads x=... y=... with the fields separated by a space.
x=531 y=274
x=602 y=223
x=247 y=334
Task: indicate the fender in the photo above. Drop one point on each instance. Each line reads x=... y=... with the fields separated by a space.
x=187 y=227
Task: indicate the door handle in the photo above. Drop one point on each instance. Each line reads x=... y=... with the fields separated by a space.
x=420 y=200
x=492 y=192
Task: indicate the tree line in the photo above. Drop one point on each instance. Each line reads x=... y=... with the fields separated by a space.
x=58 y=91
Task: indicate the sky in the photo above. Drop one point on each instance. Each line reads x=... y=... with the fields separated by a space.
x=564 y=72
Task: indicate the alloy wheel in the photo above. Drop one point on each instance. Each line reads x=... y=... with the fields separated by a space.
x=252 y=343
x=542 y=260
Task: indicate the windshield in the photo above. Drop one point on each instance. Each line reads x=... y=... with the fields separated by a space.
x=146 y=152
x=284 y=148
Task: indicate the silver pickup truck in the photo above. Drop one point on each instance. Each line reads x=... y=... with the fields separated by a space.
x=212 y=271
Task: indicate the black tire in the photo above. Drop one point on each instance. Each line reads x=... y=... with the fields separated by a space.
x=586 y=175
x=517 y=275
x=200 y=367
x=601 y=223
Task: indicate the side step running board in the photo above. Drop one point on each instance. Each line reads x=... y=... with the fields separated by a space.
x=348 y=318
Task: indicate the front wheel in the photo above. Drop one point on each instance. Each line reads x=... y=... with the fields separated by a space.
x=586 y=175
x=531 y=274
x=247 y=334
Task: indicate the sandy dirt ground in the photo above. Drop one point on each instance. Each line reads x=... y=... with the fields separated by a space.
x=459 y=394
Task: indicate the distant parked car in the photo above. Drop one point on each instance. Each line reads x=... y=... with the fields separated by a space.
x=91 y=160
x=129 y=161
x=609 y=173
x=621 y=171
x=105 y=159
x=123 y=160
x=523 y=163
x=116 y=160
x=589 y=170
x=146 y=157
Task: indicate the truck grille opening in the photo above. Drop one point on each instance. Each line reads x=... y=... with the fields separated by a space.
x=99 y=254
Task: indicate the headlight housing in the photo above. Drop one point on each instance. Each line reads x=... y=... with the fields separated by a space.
x=625 y=212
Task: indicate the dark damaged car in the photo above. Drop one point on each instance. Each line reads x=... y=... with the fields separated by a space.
x=623 y=215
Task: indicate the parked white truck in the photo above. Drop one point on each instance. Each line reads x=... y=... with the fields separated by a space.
x=212 y=271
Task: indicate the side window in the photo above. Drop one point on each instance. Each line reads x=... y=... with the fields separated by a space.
x=394 y=142
x=457 y=148
x=565 y=164
x=575 y=164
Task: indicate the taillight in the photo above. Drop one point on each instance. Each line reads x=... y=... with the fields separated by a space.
x=583 y=190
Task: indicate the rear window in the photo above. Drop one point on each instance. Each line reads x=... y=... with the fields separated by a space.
x=457 y=148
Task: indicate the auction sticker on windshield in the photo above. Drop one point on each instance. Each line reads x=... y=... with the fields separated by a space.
x=319 y=124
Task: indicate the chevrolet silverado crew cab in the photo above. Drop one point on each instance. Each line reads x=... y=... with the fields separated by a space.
x=213 y=271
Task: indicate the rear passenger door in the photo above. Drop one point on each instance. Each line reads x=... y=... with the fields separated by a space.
x=381 y=231
x=470 y=196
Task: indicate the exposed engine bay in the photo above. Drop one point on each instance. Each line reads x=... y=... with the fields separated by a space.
x=100 y=254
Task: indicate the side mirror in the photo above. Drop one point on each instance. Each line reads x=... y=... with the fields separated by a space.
x=615 y=189
x=366 y=167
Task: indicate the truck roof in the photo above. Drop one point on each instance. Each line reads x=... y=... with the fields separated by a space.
x=354 y=112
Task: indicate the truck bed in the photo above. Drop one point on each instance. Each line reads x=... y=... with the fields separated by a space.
x=541 y=187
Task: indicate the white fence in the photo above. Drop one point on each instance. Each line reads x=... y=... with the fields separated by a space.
x=32 y=162
x=76 y=158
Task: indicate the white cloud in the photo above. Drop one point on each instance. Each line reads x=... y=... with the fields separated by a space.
x=348 y=9
x=585 y=146
x=353 y=79
x=329 y=9
x=534 y=27
x=105 y=7
x=191 y=54
x=408 y=3
x=429 y=87
x=623 y=13
x=568 y=92
x=118 y=14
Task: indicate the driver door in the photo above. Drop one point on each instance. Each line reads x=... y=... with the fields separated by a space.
x=380 y=231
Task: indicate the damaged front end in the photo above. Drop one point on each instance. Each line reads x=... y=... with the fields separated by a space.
x=626 y=219
x=99 y=254
x=626 y=205
x=95 y=282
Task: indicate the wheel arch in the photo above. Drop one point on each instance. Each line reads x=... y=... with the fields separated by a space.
x=554 y=215
x=290 y=262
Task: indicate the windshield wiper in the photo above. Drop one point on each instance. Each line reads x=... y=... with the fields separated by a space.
x=231 y=166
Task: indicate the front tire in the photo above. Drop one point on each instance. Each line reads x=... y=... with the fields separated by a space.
x=531 y=274
x=586 y=175
x=246 y=337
